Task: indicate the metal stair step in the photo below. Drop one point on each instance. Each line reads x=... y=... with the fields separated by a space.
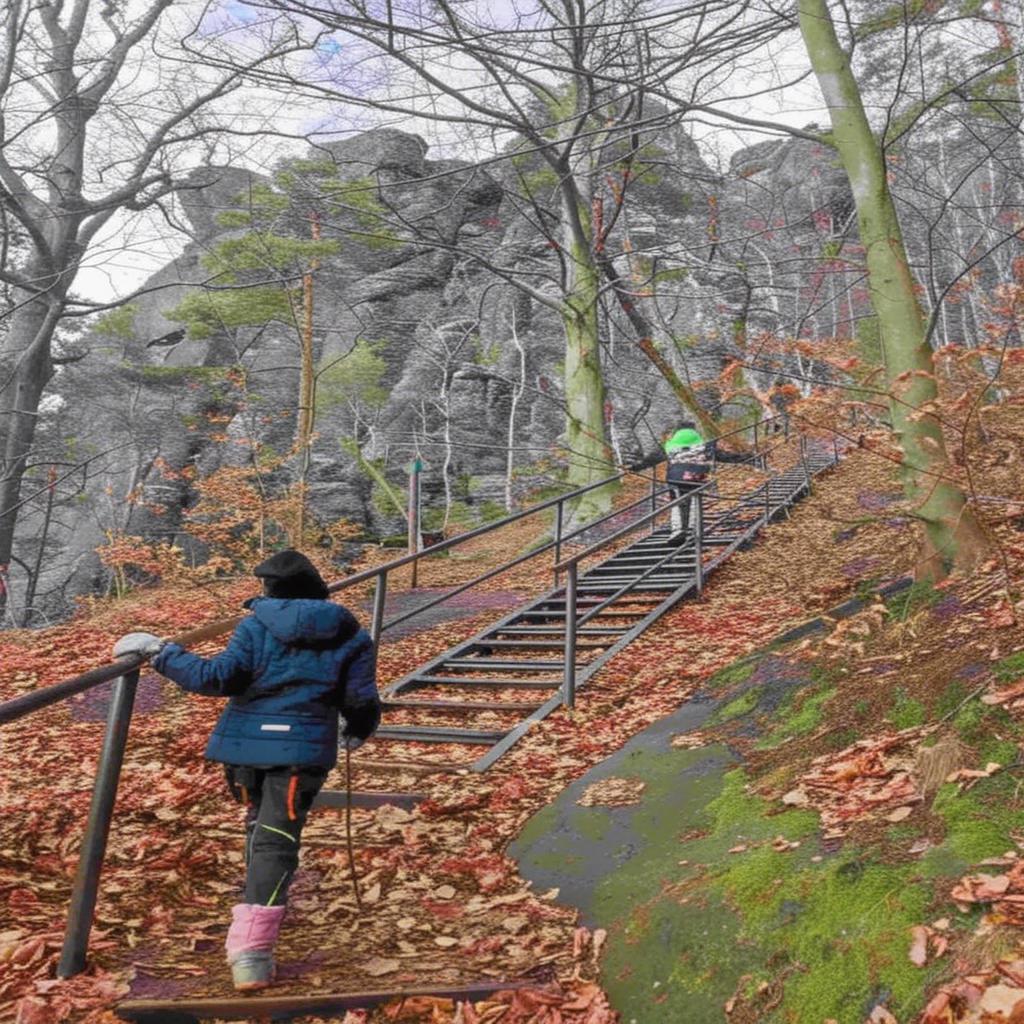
x=398 y=703
x=605 y=613
x=605 y=589
x=499 y=665
x=421 y=682
x=370 y=800
x=636 y=569
x=425 y=734
x=535 y=645
x=623 y=580
x=559 y=630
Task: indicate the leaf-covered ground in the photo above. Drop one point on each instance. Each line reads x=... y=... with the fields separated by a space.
x=442 y=902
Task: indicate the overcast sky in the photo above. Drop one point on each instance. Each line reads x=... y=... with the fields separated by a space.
x=137 y=245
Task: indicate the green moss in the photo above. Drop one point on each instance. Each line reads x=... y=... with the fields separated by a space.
x=845 y=921
x=742 y=705
x=968 y=718
x=732 y=675
x=1010 y=669
x=736 y=808
x=841 y=738
x=906 y=712
x=902 y=833
x=915 y=598
x=799 y=715
x=978 y=821
x=954 y=694
x=689 y=921
x=976 y=722
x=851 y=933
x=1002 y=752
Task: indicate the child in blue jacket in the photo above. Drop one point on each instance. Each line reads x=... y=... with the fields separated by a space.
x=289 y=669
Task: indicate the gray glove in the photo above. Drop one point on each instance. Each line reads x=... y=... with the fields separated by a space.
x=345 y=740
x=143 y=644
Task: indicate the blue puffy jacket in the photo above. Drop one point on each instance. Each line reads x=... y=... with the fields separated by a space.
x=289 y=669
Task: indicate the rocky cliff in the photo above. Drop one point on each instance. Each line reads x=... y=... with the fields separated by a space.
x=420 y=348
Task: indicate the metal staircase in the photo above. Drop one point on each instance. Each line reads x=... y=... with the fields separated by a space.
x=487 y=691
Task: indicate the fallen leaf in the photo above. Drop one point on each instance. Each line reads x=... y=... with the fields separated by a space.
x=919 y=946
x=880 y=1015
x=900 y=814
x=378 y=966
x=612 y=793
x=1001 y=999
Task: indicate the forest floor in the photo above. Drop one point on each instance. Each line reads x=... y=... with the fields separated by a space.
x=844 y=762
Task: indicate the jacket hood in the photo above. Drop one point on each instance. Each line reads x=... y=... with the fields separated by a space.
x=302 y=621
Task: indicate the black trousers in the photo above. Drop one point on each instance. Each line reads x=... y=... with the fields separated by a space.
x=277 y=801
x=680 y=521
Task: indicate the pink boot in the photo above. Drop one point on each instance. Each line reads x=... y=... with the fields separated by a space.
x=250 y=944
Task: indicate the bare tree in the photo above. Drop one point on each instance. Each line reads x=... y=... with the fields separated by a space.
x=952 y=531
x=101 y=112
x=563 y=92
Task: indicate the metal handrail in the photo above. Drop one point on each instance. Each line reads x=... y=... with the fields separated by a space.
x=491 y=573
x=397 y=563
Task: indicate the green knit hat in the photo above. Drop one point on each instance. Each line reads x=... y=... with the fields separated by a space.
x=685 y=437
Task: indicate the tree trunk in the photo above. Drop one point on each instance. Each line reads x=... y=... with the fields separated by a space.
x=588 y=453
x=644 y=341
x=953 y=535
x=26 y=369
x=517 y=393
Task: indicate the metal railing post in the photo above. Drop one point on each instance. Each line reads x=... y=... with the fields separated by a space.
x=767 y=504
x=803 y=460
x=569 y=682
x=755 y=436
x=698 y=540
x=380 y=594
x=94 y=844
x=835 y=448
x=559 y=519
x=654 y=495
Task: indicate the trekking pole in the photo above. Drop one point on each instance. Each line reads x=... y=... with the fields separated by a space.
x=348 y=828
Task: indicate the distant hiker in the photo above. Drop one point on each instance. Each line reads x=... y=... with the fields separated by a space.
x=290 y=668
x=780 y=397
x=690 y=459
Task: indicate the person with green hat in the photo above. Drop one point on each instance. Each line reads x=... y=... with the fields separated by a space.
x=690 y=459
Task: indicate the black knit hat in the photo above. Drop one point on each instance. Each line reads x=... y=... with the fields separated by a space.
x=290 y=573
